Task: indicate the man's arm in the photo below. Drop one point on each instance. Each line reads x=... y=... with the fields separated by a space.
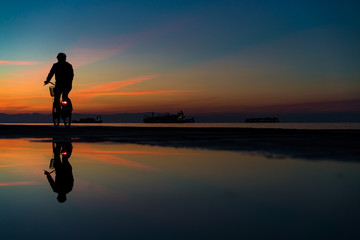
x=72 y=73
x=51 y=181
x=50 y=75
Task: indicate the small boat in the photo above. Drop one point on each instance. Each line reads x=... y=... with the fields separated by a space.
x=167 y=118
x=274 y=119
x=98 y=119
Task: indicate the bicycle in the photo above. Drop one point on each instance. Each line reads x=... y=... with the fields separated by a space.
x=61 y=109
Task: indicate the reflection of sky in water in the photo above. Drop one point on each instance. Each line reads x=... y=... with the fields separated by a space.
x=135 y=191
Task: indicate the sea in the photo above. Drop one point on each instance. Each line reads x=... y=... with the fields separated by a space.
x=138 y=191
x=292 y=125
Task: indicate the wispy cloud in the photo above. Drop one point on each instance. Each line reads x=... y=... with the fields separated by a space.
x=112 y=89
x=134 y=152
x=108 y=87
x=88 y=51
x=3 y=62
x=23 y=97
x=151 y=92
x=2 y=184
x=84 y=56
x=17 y=165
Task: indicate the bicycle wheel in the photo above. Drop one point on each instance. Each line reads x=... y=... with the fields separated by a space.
x=67 y=120
x=55 y=115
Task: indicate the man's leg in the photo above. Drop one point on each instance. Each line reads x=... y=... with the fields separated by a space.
x=57 y=93
x=66 y=92
x=65 y=96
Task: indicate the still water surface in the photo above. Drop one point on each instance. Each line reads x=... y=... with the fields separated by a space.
x=128 y=191
x=294 y=125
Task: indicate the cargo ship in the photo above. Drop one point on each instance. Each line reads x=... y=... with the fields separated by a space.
x=274 y=119
x=167 y=118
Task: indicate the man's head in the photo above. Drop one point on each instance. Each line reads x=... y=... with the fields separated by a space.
x=61 y=57
x=61 y=197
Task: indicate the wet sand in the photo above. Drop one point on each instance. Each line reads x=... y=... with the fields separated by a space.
x=342 y=145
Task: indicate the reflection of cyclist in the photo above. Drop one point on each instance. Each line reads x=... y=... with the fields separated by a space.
x=64 y=75
x=64 y=180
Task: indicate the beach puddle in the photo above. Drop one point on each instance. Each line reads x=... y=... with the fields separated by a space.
x=115 y=191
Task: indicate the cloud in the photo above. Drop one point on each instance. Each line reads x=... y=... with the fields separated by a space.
x=2 y=184
x=80 y=57
x=108 y=87
x=135 y=152
x=3 y=62
x=88 y=51
x=151 y=92
x=17 y=165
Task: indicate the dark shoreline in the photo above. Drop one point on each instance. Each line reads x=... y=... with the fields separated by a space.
x=340 y=145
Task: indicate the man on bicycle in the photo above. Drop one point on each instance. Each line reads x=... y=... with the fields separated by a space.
x=64 y=179
x=64 y=75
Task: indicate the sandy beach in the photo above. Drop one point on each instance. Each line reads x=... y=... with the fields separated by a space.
x=342 y=145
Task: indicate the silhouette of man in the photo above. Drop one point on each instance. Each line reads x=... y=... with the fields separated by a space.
x=64 y=180
x=64 y=75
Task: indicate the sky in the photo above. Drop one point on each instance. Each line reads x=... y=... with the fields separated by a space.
x=204 y=57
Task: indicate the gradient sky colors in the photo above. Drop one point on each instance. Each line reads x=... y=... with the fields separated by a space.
x=199 y=56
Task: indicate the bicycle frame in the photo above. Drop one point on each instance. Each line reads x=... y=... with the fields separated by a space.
x=60 y=110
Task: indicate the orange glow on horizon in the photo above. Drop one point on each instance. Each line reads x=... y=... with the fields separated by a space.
x=208 y=88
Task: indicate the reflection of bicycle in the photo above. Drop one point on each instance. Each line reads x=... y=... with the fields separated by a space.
x=61 y=148
x=60 y=109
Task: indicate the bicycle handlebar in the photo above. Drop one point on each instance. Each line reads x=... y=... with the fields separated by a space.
x=48 y=82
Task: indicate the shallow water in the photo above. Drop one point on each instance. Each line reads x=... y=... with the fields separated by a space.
x=128 y=191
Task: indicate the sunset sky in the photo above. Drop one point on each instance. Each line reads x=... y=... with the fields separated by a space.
x=198 y=56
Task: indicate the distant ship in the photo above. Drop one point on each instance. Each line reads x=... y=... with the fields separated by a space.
x=168 y=118
x=98 y=119
x=263 y=120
